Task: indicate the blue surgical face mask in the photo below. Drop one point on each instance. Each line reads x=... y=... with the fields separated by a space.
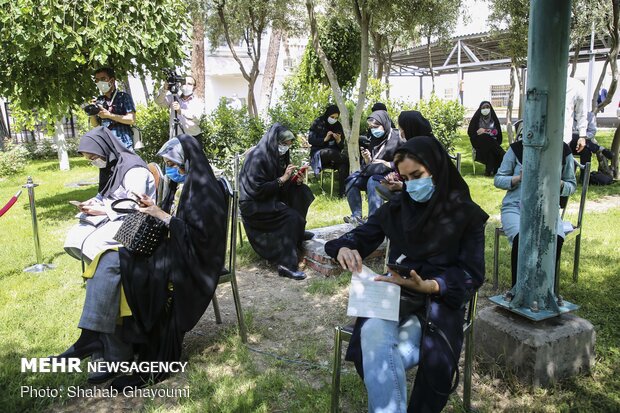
x=173 y=173
x=377 y=133
x=420 y=190
x=282 y=149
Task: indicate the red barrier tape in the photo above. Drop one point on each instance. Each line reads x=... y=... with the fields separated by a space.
x=10 y=203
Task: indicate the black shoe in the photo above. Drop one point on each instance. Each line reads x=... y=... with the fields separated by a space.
x=81 y=352
x=295 y=275
x=607 y=153
x=101 y=377
x=308 y=235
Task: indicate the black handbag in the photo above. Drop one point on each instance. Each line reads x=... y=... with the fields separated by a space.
x=140 y=233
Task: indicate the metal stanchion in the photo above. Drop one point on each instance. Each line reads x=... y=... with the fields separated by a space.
x=39 y=267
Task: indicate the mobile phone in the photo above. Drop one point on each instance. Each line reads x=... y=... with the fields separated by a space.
x=76 y=203
x=299 y=173
x=402 y=270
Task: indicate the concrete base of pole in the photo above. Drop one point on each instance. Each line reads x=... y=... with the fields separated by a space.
x=537 y=353
x=39 y=268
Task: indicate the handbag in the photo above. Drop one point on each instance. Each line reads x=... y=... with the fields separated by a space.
x=140 y=233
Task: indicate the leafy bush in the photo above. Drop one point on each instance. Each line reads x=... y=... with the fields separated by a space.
x=13 y=159
x=300 y=104
x=153 y=122
x=46 y=148
x=227 y=131
x=445 y=116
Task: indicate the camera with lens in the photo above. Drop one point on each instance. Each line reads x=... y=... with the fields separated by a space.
x=173 y=80
x=93 y=108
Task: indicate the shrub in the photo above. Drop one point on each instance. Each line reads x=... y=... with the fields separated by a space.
x=13 y=159
x=445 y=116
x=45 y=148
x=153 y=122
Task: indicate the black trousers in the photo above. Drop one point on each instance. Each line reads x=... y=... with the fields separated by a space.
x=334 y=159
x=514 y=254
x=586 y=154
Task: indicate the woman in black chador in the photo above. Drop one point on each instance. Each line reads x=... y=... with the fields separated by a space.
x=436 y=233
x=168 y=292
x=273 y=207
x=485 y=134
x=327 y=139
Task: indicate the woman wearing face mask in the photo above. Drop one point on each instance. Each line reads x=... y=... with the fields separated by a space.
x=509 y=178
x=485 y=134
x=377 y=163
x=327 y=139
x=437 y=232
x=122 y=174
x=187 y=107
x=165 y=294
x=273 y=207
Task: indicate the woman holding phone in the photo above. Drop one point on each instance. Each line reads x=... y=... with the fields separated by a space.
x=436 y=234
x=273 y=207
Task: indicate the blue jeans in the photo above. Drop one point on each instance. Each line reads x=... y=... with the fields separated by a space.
x=389 y=349
x=354 y=197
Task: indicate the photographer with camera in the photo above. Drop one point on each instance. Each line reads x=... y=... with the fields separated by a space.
x=113 y=109
x=186 y=109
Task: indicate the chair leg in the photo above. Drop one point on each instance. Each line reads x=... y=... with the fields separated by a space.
x=467 y=373
x=473 y=159
x=216 y=310
x=242 y=329
x=576 y=259
x=240 y=234
x=331 y=189
x=336 y=372
x=496 y=259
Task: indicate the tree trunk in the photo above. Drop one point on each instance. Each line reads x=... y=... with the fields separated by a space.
x=363 y=20
x=61 y=143
x=613 y=26
x=521 y=80
x=271 y=66
x=575 y=59
x=198 y=54
x=595 y=93
x=511 y=98
x=615 y=149
x=345 y=117
x=252 y=109
x=430 y=62
x=147 y=95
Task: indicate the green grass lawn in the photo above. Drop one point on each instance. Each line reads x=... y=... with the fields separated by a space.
x=39 y=312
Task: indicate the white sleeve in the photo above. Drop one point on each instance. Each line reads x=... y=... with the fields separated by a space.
x=581 y=114
x=140 y=181
x=163 y=98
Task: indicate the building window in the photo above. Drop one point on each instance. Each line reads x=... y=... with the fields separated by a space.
x=500 y=95
x=448 y=94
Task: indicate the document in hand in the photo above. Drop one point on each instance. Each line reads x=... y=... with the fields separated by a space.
x=373 y=299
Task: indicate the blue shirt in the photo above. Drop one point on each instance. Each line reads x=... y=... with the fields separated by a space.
x=121 y=104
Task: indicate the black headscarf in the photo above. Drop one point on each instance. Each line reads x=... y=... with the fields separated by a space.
x=475 y=122
x=378 y=106
x=330 y=110
x=423 y=230
x=414 y=124
x=191 y=259
x=101 y=142
x=263 y=163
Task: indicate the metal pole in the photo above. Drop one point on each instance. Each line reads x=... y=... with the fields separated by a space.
x=39 y=266
x=533 y=295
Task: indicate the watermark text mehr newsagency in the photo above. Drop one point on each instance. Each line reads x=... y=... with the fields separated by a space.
x=72 y=365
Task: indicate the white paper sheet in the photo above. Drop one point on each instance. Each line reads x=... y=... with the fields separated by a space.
x=373 y=299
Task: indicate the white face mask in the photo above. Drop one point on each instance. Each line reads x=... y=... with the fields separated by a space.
x=331 y=120
x=187 y=90
x=282 y=149
x=99 y=163
x=485 y=112
x=104 y=87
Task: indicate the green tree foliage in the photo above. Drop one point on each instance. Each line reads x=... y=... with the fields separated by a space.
x=50 y=49
x=153 y=122
x=445 y=116
x=300 y=103
x=513 y=16
x=340 y=40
